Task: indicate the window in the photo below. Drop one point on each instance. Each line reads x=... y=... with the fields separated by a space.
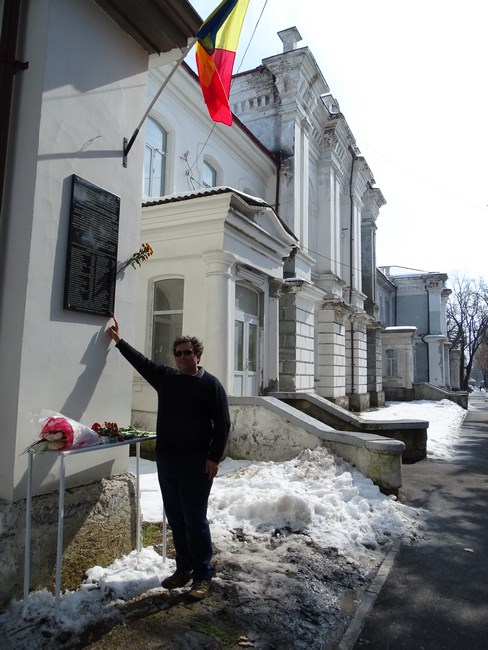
x=247 y=300
x=209 y=175
x=167 y=318
x=154 y=159
x=246 y=329
x=391 y=364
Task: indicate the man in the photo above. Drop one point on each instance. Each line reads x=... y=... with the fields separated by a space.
x=192 y=430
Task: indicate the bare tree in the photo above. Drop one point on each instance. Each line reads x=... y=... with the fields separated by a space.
x=481 y=360
x=467 y=321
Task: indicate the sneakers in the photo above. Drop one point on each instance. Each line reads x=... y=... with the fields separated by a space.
x=178 y=579
x=199 y=589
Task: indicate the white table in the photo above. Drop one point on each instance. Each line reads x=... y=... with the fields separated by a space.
x=62 y=475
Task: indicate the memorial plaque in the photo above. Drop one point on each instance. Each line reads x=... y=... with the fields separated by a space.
x=91 y=264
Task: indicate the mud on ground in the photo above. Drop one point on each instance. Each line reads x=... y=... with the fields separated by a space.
x=304 y=600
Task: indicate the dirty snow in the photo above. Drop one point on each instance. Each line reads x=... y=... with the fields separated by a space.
x=335 y=522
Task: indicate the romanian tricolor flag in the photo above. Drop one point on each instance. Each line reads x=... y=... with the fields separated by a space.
x=215 y=54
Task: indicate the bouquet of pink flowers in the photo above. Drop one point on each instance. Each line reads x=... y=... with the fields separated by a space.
x=59 y=433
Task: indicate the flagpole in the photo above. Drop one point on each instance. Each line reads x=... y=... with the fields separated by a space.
x=128 y=143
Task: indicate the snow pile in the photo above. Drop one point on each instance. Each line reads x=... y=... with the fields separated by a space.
x=315 y=501
x=445 y=418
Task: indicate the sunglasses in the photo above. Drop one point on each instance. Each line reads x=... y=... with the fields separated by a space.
x=186 y=353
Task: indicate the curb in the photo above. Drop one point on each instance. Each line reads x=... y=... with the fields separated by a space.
x=365 y=606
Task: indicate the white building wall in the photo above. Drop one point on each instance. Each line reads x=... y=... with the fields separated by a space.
x=194 y=138
x=201 y=240
x=192 y=242
x=83 y=92
x=400 y=339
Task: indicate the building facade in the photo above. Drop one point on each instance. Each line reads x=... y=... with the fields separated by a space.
x=415 y=345
x=326 y=195
x=296 y=311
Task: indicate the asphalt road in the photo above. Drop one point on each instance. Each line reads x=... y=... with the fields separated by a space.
x=435 y=596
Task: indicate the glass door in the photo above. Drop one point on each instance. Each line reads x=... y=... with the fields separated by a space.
x=246 y=342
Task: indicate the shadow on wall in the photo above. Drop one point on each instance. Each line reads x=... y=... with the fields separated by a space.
x=94 y=360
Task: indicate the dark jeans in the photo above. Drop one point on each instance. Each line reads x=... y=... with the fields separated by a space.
x=185 y=488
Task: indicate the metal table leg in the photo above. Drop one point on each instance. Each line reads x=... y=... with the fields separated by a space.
x=28 y=528
x=138 y=500
x=59 y=550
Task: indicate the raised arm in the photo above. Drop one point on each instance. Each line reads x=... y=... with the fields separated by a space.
x=114 y=331
x=144 y=366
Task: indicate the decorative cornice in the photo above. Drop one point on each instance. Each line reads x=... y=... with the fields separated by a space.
x=338 y=306
x=255 y=278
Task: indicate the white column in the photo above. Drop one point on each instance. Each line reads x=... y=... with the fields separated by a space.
x=272 y=333
x=296 y=180
x=356 y=248
x=303 y=183
x=435 y=343
x=434 y=310
x=218 y=353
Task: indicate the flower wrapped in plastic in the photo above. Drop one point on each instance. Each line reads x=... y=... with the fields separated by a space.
x=60 y=433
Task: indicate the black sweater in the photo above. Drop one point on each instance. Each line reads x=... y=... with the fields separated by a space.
x=193 y=413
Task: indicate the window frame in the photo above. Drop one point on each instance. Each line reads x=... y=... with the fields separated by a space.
x=164 y=161
x=171 y=311
x=391 y=358
x=207 y=165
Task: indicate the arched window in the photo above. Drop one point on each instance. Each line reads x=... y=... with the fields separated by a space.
x=167 y=318
x=154 y=159
x=209 y=175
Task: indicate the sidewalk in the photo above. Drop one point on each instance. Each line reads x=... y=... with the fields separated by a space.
x=433 y=595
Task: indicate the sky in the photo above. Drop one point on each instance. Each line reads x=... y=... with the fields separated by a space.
x=410 y=79
x=324 y=498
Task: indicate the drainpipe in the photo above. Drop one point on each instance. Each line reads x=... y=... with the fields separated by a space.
x=351 y=252
x=277 y=191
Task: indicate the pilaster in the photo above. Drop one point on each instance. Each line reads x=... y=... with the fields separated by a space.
x=375 y=364
x=297 y=332
x=219 y=307
x=273 y=333
x=330 y=379
x=356 y=362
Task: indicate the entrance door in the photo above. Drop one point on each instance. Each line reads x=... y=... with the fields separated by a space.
x=246 y=342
